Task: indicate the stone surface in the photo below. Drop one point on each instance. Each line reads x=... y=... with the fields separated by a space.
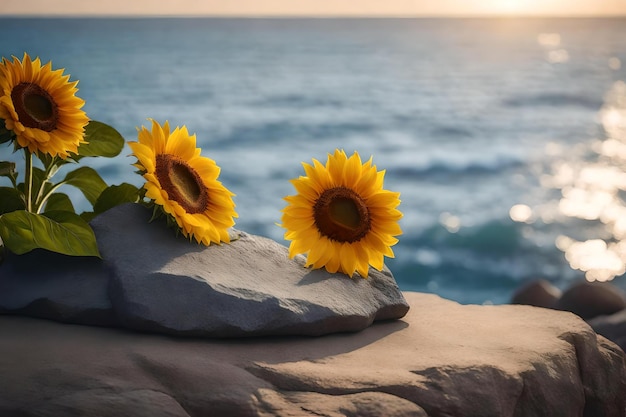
x=592 y=299
x=48 y=285
x=600 y=304
x=538 y=293
x=443 y=359
x=150 y=280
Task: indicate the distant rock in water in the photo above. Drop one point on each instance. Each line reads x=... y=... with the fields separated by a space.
x=585 y=299
x=612 y=326
x=150 y=280
x=592 y=299
x=538 y=293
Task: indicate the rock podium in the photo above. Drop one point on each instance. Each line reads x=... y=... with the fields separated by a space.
x=163 y=327
x=150 y=280
x=442 y=359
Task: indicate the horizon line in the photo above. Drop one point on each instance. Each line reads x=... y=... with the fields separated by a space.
x=317 y=16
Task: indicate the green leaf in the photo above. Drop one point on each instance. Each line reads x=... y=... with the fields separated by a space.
x=87 y=216
x=10 y=200
x=59 y=201
x=5 y=134
x=88 y=181
x=102 y=140
x=7 y=169
x=2 y=252
x=116 y=195
x=57 y=231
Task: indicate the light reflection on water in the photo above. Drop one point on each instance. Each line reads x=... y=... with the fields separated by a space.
x=551 y=42
x=594 y=189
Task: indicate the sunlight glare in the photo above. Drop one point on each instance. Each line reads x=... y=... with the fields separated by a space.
x=599 y=261
x=450 y=222
x=521 y=213
x=594 y=191
x=549 y=40
x=509 y=6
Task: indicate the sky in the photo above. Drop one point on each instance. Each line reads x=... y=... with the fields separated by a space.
x=406 y=8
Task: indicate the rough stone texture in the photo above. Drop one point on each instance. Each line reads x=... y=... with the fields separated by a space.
x=592 y=299
x=150 y=280
x=601 y=304
x=48 y=285
x=538 y=293
x=443 y=359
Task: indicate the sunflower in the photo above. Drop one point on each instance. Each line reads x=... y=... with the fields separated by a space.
x=40 y=107
x=184 y=183
x=341 y=217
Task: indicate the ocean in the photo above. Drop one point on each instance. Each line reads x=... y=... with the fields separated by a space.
x=506 y=137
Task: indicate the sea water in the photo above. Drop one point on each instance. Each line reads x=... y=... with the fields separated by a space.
x=505 y=137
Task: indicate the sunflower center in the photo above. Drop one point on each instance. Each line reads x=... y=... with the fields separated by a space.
x=341 y=214
x=35 y=106
x=182 y=183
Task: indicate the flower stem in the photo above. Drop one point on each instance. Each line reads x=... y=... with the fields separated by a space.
x=46 y=196
x=28 y=180
x=51 y=169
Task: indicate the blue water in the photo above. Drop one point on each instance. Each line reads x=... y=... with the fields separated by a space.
x=468 y=117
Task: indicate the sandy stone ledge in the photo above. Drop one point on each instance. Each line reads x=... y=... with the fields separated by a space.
x=441 y=359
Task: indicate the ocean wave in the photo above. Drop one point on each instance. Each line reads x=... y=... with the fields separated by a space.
x=495 y=237
x=481 y=263
x=300 y=101
x=290 y=131
x=554 y=100
x=454 y=132
x=456 y=166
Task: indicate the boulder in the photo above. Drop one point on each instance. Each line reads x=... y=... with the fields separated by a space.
x=442 y=359
x=592 y=299
x=538 y=293
x=58 y=287
x=151 y=280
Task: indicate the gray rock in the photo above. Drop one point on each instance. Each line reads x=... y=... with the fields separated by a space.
x=150 y=280
x=592 y=299
x=612 y=326
x=538 y=293
x=57 y=287
x=443 y=359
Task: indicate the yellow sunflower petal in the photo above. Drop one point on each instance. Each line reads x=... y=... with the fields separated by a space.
x=390 y=228
x=145 y=156
x=182 y=144
x=384 y=199
x=349 y=259
x=362 y=260
x=304 y=187
x=318 y=173
x=335 y=166
x=326 y=250
x=352 y=171
x=375 y=259
x=334 y=264
x=159 y=136
x=206 y=168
